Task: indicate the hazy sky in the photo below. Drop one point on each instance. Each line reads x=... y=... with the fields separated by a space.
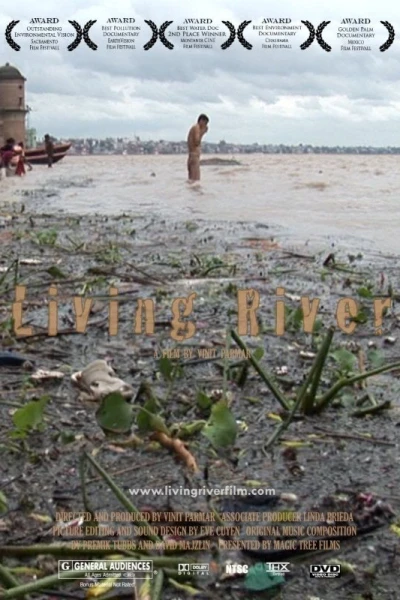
x=278 y=96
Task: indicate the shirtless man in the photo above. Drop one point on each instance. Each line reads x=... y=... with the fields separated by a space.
x=49 y=146
x=194 y=142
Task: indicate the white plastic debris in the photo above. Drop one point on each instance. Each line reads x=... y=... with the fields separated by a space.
x=42 y=375
x=30 y=261
x=307 y=355
x=282 y=370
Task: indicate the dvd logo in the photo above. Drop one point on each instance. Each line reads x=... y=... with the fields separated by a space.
x=236 y=569
x=325 y=571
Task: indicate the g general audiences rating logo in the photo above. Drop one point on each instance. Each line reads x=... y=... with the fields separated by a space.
x=320 y=571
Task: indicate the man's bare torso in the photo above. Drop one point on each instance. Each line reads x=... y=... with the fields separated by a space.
x=194 y=140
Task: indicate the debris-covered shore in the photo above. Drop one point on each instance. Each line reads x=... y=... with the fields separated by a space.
x=203 y=416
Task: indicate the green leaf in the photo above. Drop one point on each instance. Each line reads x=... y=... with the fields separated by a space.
x=361 y=317
x=258 y=353
x=376 y=358
x=317 y=326
x=297 y=318
x=221 y=428
x=259 y=579
x=157 y=423
x=29 y=417
x=56 y=273
x=148 y=420
x=143 y=419
x=115 y=414
x=345 y=359
x=166 y=368
x=365 y=292
x=203 y=401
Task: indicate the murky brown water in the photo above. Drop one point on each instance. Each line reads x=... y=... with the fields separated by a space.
x=311 y=195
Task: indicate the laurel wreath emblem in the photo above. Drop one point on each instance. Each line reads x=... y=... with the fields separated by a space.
x=311 y=37
x=158 y=34
x=86 y=37
x=154 y=37
x=319 y=37
x=9 y=39
x=232 y=35
x=79 y=36
x=390 y=39
x=240 y=36
x=161 y=35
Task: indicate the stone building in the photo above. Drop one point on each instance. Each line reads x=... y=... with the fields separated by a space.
x=12 y=104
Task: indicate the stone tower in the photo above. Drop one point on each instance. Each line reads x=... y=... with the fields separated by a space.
x=12 y=104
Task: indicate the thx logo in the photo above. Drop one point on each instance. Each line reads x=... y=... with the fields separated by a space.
x=277 y=567
x=235 y=569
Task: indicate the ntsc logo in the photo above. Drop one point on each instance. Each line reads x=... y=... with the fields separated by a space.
x=325 y=571
x=269 y=567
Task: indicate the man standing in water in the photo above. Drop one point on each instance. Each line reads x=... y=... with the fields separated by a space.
x=49 y=149
x=195 y=136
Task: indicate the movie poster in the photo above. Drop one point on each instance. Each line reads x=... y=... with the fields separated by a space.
x=198 y=301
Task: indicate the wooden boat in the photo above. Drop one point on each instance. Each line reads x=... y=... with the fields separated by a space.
x=38 y=156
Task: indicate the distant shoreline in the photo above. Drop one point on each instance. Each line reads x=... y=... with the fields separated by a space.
x=232 y=154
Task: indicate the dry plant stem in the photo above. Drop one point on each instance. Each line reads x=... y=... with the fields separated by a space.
x=37 y=586
x=358 y=438
x=122 y=498
x=264 y=376
x=363 y=384
x=216 y=514
x=322 y=402
x=85 y=498
x=371 y=410
x=317 y=368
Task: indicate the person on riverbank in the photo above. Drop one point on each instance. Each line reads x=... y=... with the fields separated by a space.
x=6 y=155
x=18 y=160
x=26 y=163
x=49 y=149
x=195 y=136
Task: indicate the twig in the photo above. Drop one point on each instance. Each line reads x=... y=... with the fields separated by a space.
x=359 y=438
x=86 y=504
x=37 y=586
x=371 y=410
x=122 y=498
x=266 y=377
x=58 y=594
x=41 y=334
x=364 y=382
x=146 y=274
x=290 y=254
x=151 y=463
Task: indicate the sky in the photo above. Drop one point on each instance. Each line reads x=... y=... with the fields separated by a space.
x=286 y=96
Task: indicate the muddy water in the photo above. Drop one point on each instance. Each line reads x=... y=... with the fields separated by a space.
x=354 y=199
